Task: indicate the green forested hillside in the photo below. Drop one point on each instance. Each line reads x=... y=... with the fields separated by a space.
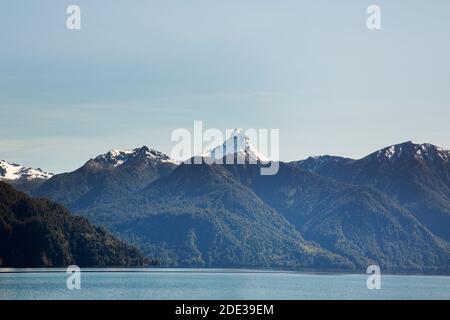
x=200 y=215
x=40 y=233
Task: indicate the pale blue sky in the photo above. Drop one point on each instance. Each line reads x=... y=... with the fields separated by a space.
x=139 y=69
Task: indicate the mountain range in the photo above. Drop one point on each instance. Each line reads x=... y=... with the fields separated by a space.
x=116 y=174
x=417 y=176
x=391 y=208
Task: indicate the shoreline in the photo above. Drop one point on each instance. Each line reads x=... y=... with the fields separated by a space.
x=6 y=270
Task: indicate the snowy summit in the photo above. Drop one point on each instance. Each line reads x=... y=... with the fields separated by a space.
x=12 y=171
x=116 y=157
x=239 y=144
x=410 y=149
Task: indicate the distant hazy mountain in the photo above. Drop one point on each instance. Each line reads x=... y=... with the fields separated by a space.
x=356 y=222
x=40 y=233
x=415 y=175
x=108 y=177
x=202 y=216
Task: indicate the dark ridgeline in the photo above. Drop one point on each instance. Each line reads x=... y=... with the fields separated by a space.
x=390 y=208
x=41 y=233
x=417 y=176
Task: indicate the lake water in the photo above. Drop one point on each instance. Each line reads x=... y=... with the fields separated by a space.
x=175 y=284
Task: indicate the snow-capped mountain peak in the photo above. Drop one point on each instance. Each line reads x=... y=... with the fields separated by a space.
x=12 y=171
x=157 y=155
x=410 y=149
x=237 y=143
x=116 y=157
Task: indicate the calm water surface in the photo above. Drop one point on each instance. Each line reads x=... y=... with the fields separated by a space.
x=218 y=284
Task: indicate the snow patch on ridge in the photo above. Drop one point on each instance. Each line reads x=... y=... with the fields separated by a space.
x=423 y=151
x=12 y=171
x=116 y=157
